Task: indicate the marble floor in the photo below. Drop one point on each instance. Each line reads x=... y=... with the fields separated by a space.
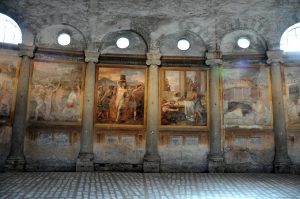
x=140 y=185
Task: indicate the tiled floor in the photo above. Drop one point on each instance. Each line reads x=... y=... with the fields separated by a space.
x=139 y=185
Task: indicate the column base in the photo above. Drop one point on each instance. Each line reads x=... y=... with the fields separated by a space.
x=15 y=163
x=85 y=162
x=216 y=163
x=151 y=163
x=282 y=166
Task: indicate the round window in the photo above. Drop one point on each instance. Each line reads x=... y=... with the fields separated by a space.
x=122 y=42
x=64 y=39
x=243 y=42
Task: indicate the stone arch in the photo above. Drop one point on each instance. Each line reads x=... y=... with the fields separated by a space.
x=258 y=25
x=168 y=44
x=47 y=37
x=229 y=43
x=137 y=43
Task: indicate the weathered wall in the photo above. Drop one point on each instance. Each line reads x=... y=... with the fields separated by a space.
x=294 y=148
x=119 y=149
x=249 y=150
x=183 y=151
x=5 y=140
x=52 y=149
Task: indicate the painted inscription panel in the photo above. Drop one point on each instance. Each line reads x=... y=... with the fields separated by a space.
x=55 y=91
x=246 y=97
x=183 y=97
x=8 y=81
x=292 y=81
x=120 y=95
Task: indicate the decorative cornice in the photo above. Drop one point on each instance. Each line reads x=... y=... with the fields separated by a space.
x=25 y=50
x=275 y=56
x=153 y=57
x=91 y=56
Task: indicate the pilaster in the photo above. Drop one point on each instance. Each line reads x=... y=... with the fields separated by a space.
x=215 y=157
x=281 y=161
x=151 y=158
x=85 y=160
x=16 y=159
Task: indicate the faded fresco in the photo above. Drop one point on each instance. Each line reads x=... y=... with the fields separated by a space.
x=292 y=81
x=8 y=81
x=120 y=95
x=183 y=97
x=55 y=92
x=246 y=97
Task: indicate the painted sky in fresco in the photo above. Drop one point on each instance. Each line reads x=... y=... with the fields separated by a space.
x=132 y=75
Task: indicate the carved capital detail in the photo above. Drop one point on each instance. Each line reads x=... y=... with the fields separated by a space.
x=25 y=50
x=153 y=57
x=275 y=56
x=213 y=59
x=91 y=56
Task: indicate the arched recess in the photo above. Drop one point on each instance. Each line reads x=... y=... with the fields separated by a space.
x=229 y=44
x=47 y=37
x=137 y=44
x=168 y=44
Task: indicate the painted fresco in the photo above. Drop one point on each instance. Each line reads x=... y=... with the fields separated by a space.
x=183 y=97
x=246 y=97
x=55 y=92
x=8 y=81
x=120 y=95
x=292 y=81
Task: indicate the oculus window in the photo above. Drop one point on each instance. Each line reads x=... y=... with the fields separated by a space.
x=122 y=42
x=183 y=44
x=243 y=42
x=64 y=39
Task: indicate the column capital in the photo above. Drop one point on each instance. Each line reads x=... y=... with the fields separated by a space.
x=25 y=50
x=91 y=56
x=275 y=56
x=214 y=58
x=153 y=57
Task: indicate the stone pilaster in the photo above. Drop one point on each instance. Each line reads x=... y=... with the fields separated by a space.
x=215 y=157
x=16 y=159
x=85 y=160
x=281 y=161
x=151 y=158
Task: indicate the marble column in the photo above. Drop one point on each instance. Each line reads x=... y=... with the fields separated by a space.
x=16 y=159
x=85 y=160
x=215 y=157
x=281 y=160
x=151 y=158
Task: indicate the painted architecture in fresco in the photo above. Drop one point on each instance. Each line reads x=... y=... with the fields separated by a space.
x=8 y=81
x=183 y=97
x=246 y=97
x=292 y=81
x=120 y=95
x=55 y=92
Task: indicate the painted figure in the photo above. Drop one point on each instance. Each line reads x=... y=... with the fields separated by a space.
x=120 y=97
